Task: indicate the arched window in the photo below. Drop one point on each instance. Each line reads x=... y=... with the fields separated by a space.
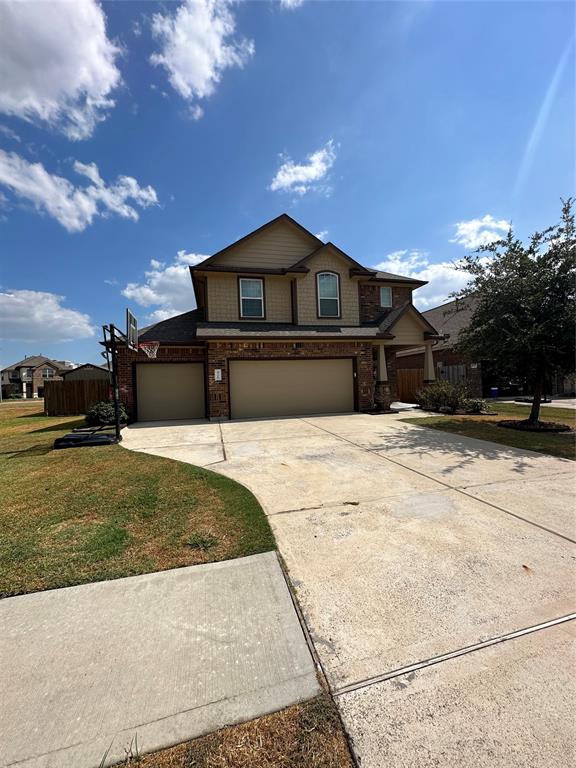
x=328 y=285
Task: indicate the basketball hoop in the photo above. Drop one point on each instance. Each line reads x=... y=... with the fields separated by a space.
x=150 y=348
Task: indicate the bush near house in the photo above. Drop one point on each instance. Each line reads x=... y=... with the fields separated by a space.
x=443 y=397
x=102 y=413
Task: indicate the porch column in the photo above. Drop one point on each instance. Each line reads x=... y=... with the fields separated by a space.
x=382 y=394
x=429 y=372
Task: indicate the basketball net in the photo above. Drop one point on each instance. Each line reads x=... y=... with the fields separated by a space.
x=150 y=348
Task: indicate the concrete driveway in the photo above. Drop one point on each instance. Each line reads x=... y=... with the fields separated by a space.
x=435 y=573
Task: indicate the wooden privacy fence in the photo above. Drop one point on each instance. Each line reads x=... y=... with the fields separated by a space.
x=409 y=380
x=70 y=398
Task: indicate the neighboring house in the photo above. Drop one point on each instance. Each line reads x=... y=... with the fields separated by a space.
x=86 y=372
x=285 y=325
x=26 y=378
x=482 y=377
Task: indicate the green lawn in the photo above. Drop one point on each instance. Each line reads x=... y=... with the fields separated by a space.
x=85 y=514
x=562 y=444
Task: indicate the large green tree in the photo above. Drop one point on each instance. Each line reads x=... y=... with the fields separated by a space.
x=525 y=305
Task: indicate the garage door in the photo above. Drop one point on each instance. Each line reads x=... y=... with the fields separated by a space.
x=170 y=391
x=290 y=387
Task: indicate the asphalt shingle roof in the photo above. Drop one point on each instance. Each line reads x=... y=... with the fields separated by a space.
x=451 y=318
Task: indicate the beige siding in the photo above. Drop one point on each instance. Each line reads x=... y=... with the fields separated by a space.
x=290 y=387
x=306 y=287
x=223 y=299
x=279 y=246
x=408 y=330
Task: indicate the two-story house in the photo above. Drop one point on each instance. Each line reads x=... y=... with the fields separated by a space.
x=26 y=378
x=285 y=325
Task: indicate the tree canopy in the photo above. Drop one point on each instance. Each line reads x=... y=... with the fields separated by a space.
x=525 y=304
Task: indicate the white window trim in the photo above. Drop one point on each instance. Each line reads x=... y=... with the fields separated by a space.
x=331 y=298
x=387 y=287
x=259 y=298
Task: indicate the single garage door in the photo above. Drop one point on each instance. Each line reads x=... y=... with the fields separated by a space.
x=290 y=387
x=170 y=391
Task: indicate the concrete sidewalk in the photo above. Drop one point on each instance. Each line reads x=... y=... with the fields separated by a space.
x=163 y=657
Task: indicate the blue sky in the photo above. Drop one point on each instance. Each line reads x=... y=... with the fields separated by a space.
x=137 y=137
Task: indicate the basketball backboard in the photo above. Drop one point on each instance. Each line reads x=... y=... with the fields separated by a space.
x=131 y=331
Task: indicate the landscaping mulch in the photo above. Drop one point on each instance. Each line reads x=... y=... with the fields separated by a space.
x=539 y=426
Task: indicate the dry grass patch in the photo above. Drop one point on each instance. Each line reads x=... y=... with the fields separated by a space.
x=88 y=514
x=303 y=736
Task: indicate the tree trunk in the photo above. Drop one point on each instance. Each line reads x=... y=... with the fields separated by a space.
x=535 y=410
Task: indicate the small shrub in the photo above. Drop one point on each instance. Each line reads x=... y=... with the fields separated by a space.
x=14 y=396
x=442 y=396
x=476 y=405
x=202 y=541
x=102 y=413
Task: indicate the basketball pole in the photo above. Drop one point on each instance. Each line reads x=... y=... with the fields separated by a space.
x=115 y=390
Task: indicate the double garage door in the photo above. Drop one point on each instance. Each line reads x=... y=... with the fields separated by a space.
x=290 y=387
x=258 y=388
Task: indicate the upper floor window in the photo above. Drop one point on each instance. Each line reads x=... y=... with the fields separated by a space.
x=26 y=373
x=385 y=296
x=47 y=373
x=328 y=294
x=251 y=297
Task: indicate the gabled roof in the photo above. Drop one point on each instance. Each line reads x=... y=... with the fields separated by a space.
x=451 y=318
x=358 y=268
x=391 y=318
x=34 y=361
x=85 y=365
x=283 y=217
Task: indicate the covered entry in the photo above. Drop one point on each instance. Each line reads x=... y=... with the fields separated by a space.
x=290 y=387
x=170 y=391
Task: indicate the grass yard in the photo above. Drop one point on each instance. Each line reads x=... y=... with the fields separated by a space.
x=86 y=514
x=562 y=444
x=307 y=735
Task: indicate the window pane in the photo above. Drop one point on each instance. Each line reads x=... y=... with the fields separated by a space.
x=385 y=297
x=329 y=308
x=252 y=308
x=327 y=286
x=251 y=288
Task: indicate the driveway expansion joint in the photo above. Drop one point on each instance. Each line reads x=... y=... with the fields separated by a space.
x=453 y=654
x=447 y=486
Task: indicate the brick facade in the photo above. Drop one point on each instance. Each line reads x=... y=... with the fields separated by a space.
x=369 y=297
x=216 y=354
x=127 y=358
x=220 y=352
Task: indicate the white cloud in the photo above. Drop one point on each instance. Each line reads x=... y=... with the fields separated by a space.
x=322 y=235
x=169 y=288
x=197 y=46
x=443 y=277
x=74 y=207
x=291 y=4
x=478 y=232
x=303 y=177
x=9 y=133
x=39 y=316
x=57 y=65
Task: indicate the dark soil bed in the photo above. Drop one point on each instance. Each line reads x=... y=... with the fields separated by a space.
x=540 y=426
